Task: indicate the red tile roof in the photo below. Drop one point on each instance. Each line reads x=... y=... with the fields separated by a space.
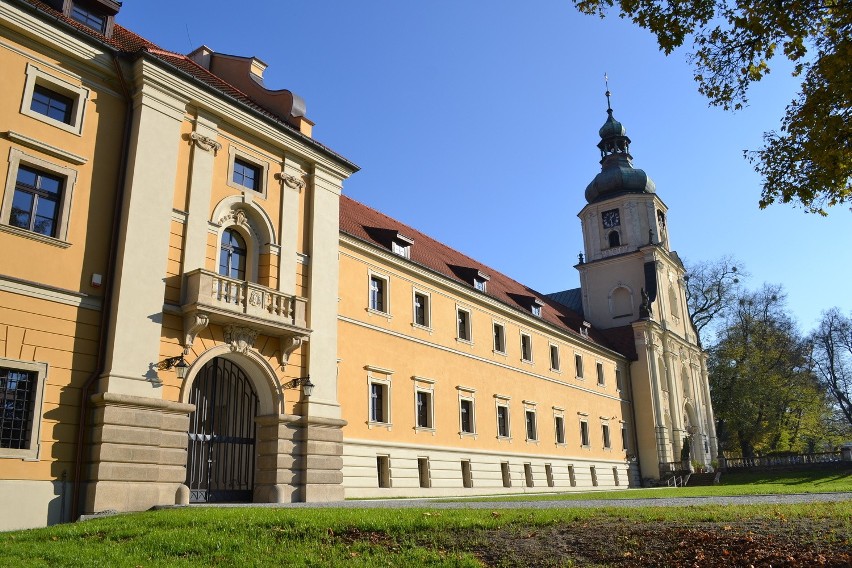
x=126 y=41
x=368 y=225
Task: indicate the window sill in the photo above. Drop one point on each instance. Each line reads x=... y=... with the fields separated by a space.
x=427 y=429
x=465 y=341
x=602 y=385
x=504 y=439
x=527 y=361
x=557 y=371
x=371 y=425
x=473 y=435
x=379 y=313
x=561 y=445
x=35 y=236
x=496 y=352
x=580 y=378
x=585 y=447
x=529 y=441
x=423 y=327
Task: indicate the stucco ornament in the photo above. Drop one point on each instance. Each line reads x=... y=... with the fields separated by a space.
x=192 y=326
x=289 y=344
x=240 y=338
x=291 y=181
x=205 y=143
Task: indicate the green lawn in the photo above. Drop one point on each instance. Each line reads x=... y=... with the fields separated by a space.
x=388 y=537
x=746 y=483
x=329 y=537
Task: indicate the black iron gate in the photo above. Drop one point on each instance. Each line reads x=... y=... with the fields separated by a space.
x=220 y=464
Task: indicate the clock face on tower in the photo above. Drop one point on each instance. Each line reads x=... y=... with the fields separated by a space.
x=611 y=219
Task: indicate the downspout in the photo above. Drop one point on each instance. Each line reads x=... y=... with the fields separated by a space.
x=106 y=306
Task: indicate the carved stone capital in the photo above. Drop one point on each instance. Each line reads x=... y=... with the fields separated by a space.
x=291 y=181
x=289 y=344
x=205 y=143
x=240 y=338
x=192 y=326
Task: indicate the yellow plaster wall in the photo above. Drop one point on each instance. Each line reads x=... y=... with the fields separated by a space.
x=393 y=343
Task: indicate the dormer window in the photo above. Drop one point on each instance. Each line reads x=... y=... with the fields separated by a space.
x=98 y=15
x=480 y=281
x=401 y=245
x=536 y=307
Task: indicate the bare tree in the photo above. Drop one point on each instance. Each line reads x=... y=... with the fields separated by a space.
x=712 y=288
x=832 y=358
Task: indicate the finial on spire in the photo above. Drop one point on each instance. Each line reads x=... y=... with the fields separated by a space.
x=606 y=81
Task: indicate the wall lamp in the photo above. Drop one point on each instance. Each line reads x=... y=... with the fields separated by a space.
x=178 y=363
x=304 y=382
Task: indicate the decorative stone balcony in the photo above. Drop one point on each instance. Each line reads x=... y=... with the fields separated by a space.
x=245 y=309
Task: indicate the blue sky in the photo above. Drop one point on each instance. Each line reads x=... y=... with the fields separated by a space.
x=476 y=122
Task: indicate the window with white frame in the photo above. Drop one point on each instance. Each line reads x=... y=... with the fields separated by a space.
x=21 y=390
x=499 y=338
x=379 y=397
x=378 y=293
x=246 y=171
x=578 y=365
x=503 y=423
x=401 y=245
x=607 y=443
x=53 y=100
x=559 y=423
x=467 y=411
x=584 y=433
x=463 y=324
x=554 y=357
x=526 y=348
x=531 y=423
x=480 y=284
x=424 y=408
x=422 y=307
x=37 y=200
x=600 y=374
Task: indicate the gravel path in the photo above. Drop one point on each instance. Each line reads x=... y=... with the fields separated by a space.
x=584 y=503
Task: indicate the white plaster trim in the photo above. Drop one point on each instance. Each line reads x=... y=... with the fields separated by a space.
x=179 y=216
x=46 y=148
x=43 y=292
x=423 y=380
x=78 y=94
x=375 y=369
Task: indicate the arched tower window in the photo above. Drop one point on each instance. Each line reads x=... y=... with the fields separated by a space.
x=232 y=255
x=614 y=239
x=622 y=302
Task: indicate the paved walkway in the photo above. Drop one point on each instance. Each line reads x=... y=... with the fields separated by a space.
x=591 y=502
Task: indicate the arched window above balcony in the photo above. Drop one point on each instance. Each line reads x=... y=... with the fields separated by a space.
x=232 y=255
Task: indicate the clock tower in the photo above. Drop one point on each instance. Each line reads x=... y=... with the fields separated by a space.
x=632 y=285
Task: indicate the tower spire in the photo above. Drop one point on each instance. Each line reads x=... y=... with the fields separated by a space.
x=606 y=82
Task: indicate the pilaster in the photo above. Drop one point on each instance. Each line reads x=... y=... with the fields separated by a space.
x=143 y=242
x=292 y=184
x=204 y=150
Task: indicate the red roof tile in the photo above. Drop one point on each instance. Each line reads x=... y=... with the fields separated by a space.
x=367 y=224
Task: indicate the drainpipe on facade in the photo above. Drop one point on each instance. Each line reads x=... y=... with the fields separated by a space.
x=106 y=305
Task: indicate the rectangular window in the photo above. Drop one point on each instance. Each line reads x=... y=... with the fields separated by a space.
x=424 y=409
x=463 y=317
x=383 y=471
x=600 y=371
x=246 y=174
x=536 y=310
x=605 y=435
x=584 y=433
x=51 y=104
x=504 y=472
x=618 y=381
x=528 y=475
x=480 y=284
x=88 y=17
x=37 y=201
x=532 y=432
x=526 y=347
x=554 y=358
x=502 y=421
x=624 y=437
x=467 y=476
x=560 y=429
x=548 y=473
x=578 y=365
x=18 y=389
x=402 y=249
x=499 y=338
x=378 y=402
x=421 y=309
x=423 y=472
x=466 y=411
x=571 y=478
x=378 y=287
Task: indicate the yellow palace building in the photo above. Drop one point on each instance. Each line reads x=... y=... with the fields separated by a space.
x=191 y=310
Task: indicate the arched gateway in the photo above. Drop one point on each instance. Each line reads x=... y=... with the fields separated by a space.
x=221 y=451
